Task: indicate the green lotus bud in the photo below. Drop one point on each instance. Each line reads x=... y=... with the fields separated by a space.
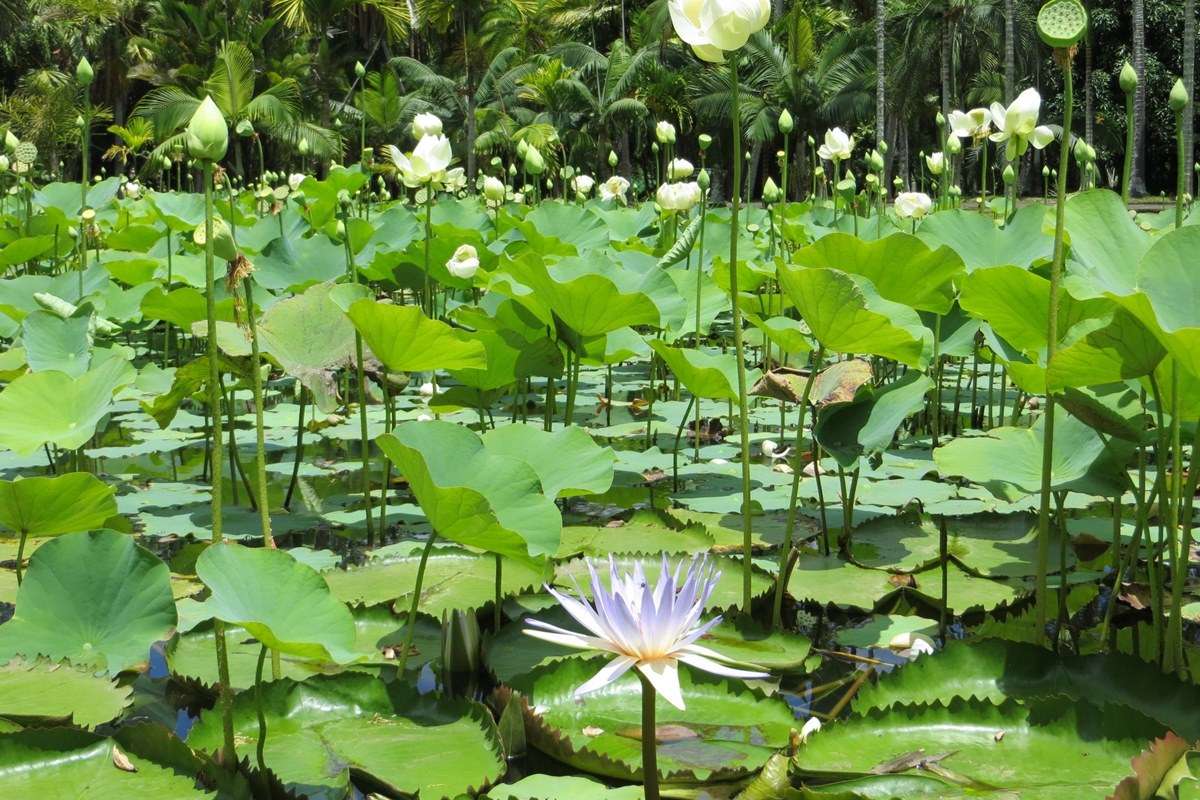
x=1179 y=97
x=344 y=199
x=612 y=158
x=337 y=123
x=654 y=147
x=883 y=147
x=3 y=164
x=746 y=155
x=534 y=163
x=1010 y=175
x=207 y=137
x=512 y=170
x=244 y=128
x=522 y=148
x=705 y=141
x=303 y=147
x=940 y=119
x=875 y=161
x=1129 y=78
x=1046 y=172
x=771 y=193
x=340 y=230
x=368 y=155
x=223 y=246
x=786 y=123
x=953 y=145
x=704 y=180
x=84 y=73
x=10 y=141
x=359 y=69
x=79 y=123
x=812 y=142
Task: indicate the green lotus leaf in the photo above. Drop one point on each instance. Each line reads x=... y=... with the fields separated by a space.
x=309 y=336
x=119 y=603
x=183 y=212
x=704 y=374
x=283 y=603
x=790 y=335
x=713 y=302
x=472 y=495
x=509 y=357
x=45 y=690
x=24 y=249
x=902 y=268
x=406 y=340
x=50 y=506
x=847 y=315
x=550 y=225
x=542 y=787
x=53 y=408
x=54 y=343
x=1077 y=752
x=1022 y=242
x=568 y=461
x=455 y=579
x=1108 y=351
x=868 y=423
x=1106 y=246
x=1082 y=460
x=646 y=532
x=1167 y=277
x=726 y=731
x=321 y=730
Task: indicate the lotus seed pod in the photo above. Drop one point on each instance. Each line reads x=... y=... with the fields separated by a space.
x=705 y=141
x=1179 y=97
x=770 y=192
x=786 y=123
x=1129 y=78
x=704 y=180
x=612 y=158
x=1010 y=175
x=83 y=73
x=359 y=69
x=244 y=128
x=207 y=136
x=1062 y=23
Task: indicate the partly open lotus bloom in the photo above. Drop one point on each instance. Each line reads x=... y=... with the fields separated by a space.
x=493 y=190
x=679 y=168
x=583 y=185
x=714 y=26
x=650 y=628
x=838 y=145
x=913 y=205
x=936 y=163
x=614 y=189
x=678 y=196
x=427 y=163
x=294 y=180
x=1017 y=124
x=664 y=132
x=973 y=124
x=426 y=125
x=464 y=263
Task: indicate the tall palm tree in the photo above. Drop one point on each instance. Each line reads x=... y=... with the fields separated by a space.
x=1010 y=52
x=1137 y=178
x=1189 y=80
x=880 y=71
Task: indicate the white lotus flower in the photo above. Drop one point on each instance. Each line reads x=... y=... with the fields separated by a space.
x=770 y=449
x=583 y=185
x=664 y=132
x=614 y=189
x=464 y=263
x=132 y=190
x=678 y=196
x=456 y=180
x=812 y=725
x=294 y=180
x=679 y=168
x=652 y=629
x=426 y=389
x=838 y=145
x=493 y=190
x=936 y=163
x=426 y=125
x=974 y=124
x=1017 y=124
x=713 y=26
x=427 y=163
x=913 y=205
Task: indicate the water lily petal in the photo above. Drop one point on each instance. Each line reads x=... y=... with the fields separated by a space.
x=716 y=668
x=663 y=674
x=607 y=674
x=1041 y=136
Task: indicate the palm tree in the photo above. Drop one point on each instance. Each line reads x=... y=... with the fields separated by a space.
x=1189 y=80
x=276 y=109
x=880 y=72
x=1010 y=52
x=1137 y=178
x=131 y=140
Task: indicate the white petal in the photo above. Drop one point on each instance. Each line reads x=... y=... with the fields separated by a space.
x=1041 y=136
x=607 y=674
x=716 y=668
x=565 y=639
x=663 y=674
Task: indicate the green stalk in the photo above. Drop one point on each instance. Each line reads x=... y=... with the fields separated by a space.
x=428 y=238
x=1127 y=168
x=299 y=455
x=936 y=368
x=262 y=718
x=983 y=176
x=361 y=380
x=84 y=158
x=416 y=604
x=260 y=444
x=1181 y=163
x=224 y=690
x=739 y=348
x=699 y=287
x=649 y=741
x=1056 y=268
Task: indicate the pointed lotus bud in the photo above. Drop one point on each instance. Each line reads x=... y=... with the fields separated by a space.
x=79 y=123
x=522 y=148
x=953 y=145
x=940 y=119
x=359 y=69
x=534 y=163
x=705 y=141
x=244 y=128
x=786 y=123
x=84 y=73
x=770 y=192
x=207 y=136
x=875 y=161
x=704 y=180
x=612 y=158
x=654 y=147
x=1129 y=78
x=883 y=147
x=1046 y=172
x=303 y=147
x=10 y=141
x=1010 y=175
x=1179 y=97
x=812 y=142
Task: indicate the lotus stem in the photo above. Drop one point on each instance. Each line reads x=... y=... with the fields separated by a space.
x=262 y=718
x=1181 y=176
x=649 y=741
x=699 y=287
x=299 y=455
x=260 y=445
x=1127 y=168
x=361 y=380
x=679 y=434
x=415 y=605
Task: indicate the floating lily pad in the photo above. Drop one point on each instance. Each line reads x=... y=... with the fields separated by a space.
x=46 y=690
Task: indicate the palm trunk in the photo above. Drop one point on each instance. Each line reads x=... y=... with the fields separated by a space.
x=880 y=72
x=1010 y=51
x=1189 y=80
x=1137 y=181
x=1089 y=102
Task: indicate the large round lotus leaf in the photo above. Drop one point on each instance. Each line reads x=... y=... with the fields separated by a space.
x=1106 y=245
x=406 y=340
x=47 y=690
x=309 y=336
x=283 y=603
x=146 y=761
x=321 y=729
x=47 y=506
x=726 y=730
x=901 y=267
x=568 y=461
x=726 y=595
x=646 y=532
x=544 y=787
x=868 y=423
x=471 y=494
x=996 y=670
x=1083 y=461
x=704 y=374
x=54 y=343
x=182 y=211
x=97 y=599
x=54 y=408
x=1117 y=350
x=454 y=579
x=512 y=653
x=847 y=314
x=1172 y=290
x=1078 y=754
x=982 y=243
x=380 y=636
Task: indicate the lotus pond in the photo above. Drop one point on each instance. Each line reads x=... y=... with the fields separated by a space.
x=365 y=482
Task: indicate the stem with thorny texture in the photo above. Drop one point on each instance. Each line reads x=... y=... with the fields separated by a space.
x=361 y=380
x=260 y=445
x=1056 y=268
x=415 y=606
